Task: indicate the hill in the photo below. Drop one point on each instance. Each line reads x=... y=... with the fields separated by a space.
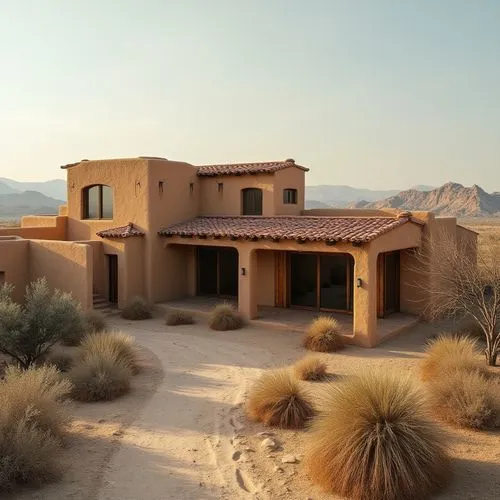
x=13 y=205
x=55 y=188
x=450 y=199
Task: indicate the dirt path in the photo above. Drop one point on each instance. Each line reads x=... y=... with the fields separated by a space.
x=182 y=446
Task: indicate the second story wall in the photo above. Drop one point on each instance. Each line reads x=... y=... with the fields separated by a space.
x=128 y=181
x=289 y=186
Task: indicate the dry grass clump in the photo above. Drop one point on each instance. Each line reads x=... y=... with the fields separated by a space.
x=100 y=376
x=447 y=353
x=225 y=317
x=323 y=335
x=373 y=439
x=95 y=321
x=117 y=344
x=466 y=399
x=43 y=390
x=178 y=317
x=60 y=358
x=137 y=309
x=276 y=399
x=32 y=421
x=310 y=368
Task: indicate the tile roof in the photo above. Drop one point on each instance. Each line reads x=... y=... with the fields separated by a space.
x=247 y=168
x=301 y=228
x=121 y=232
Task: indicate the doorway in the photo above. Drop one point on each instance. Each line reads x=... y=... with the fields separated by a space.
x=217 y=271
x=112 y=278
x=389 y=283
x=321 y=281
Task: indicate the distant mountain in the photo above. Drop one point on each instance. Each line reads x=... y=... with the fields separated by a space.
x=450 y=199
x=342 y=196
x=13 y=205
x=54 y=189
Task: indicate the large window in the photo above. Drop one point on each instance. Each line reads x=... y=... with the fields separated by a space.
x=98 y=202
x=290 y=196
x=251 y=201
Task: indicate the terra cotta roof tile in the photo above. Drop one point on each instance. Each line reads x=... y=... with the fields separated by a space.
x=121 y=232
x=301 y=228
x=247 y=168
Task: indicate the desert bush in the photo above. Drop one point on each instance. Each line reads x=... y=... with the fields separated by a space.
x=310 y=368
x=137 y=309
x=117 y=344
x=28 y=455
x=466 y=398
x=43 y=390
x=225 y=317
x=60 y=358
x=373 y=440
x=448 y=352
x=323 y=335
x=28 y=332
x=178 y=317
x=95 y=321
x=99 y=376
x=276 y=399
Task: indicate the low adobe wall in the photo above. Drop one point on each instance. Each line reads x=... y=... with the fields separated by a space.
x=41 y=227
x=66 y=265
x=14 y=264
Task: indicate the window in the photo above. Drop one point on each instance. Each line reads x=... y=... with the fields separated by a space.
x=251 y=201
x=290 y=196
x=98 y=202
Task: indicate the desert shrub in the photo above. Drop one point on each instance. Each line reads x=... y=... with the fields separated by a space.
x=61 y=359
x=28 y=455
x=117 y=344
x=99 y=376
x=41 y=389
x=466 y=398
x=373 y=439
x=277 y=399
x=95 y=321
x=137 y=309
x=32 y=421
x=310 y=368
x=323 y=335
x=225 y=317
x=448 y=352
x=28 y=332
x=178 y=317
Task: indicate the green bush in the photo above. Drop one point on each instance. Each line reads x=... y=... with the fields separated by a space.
x=137 y=309
x=28 y=332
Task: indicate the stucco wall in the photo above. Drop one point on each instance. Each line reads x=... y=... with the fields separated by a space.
x=66 y=265
x=40 y=227
x=127 y=178
x=293 y=178
x=14 y=262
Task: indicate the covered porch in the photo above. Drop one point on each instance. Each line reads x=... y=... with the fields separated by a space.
x=345 y=267
x=296 y=320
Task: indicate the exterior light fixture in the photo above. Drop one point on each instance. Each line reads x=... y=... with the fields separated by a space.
x=220 y=187
x=359 y=282
x=243 y=271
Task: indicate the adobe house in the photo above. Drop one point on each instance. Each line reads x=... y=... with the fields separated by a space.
x=167 y=230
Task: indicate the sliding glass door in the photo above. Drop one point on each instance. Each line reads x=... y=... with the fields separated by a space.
x=321 y=281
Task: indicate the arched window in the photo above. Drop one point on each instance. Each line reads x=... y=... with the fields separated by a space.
x=251 y=201
x=98 y=202
x=290 y=196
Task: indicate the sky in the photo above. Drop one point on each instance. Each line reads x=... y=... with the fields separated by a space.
x=369 y=93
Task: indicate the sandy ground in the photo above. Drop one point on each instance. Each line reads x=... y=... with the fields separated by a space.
x=182 y=433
